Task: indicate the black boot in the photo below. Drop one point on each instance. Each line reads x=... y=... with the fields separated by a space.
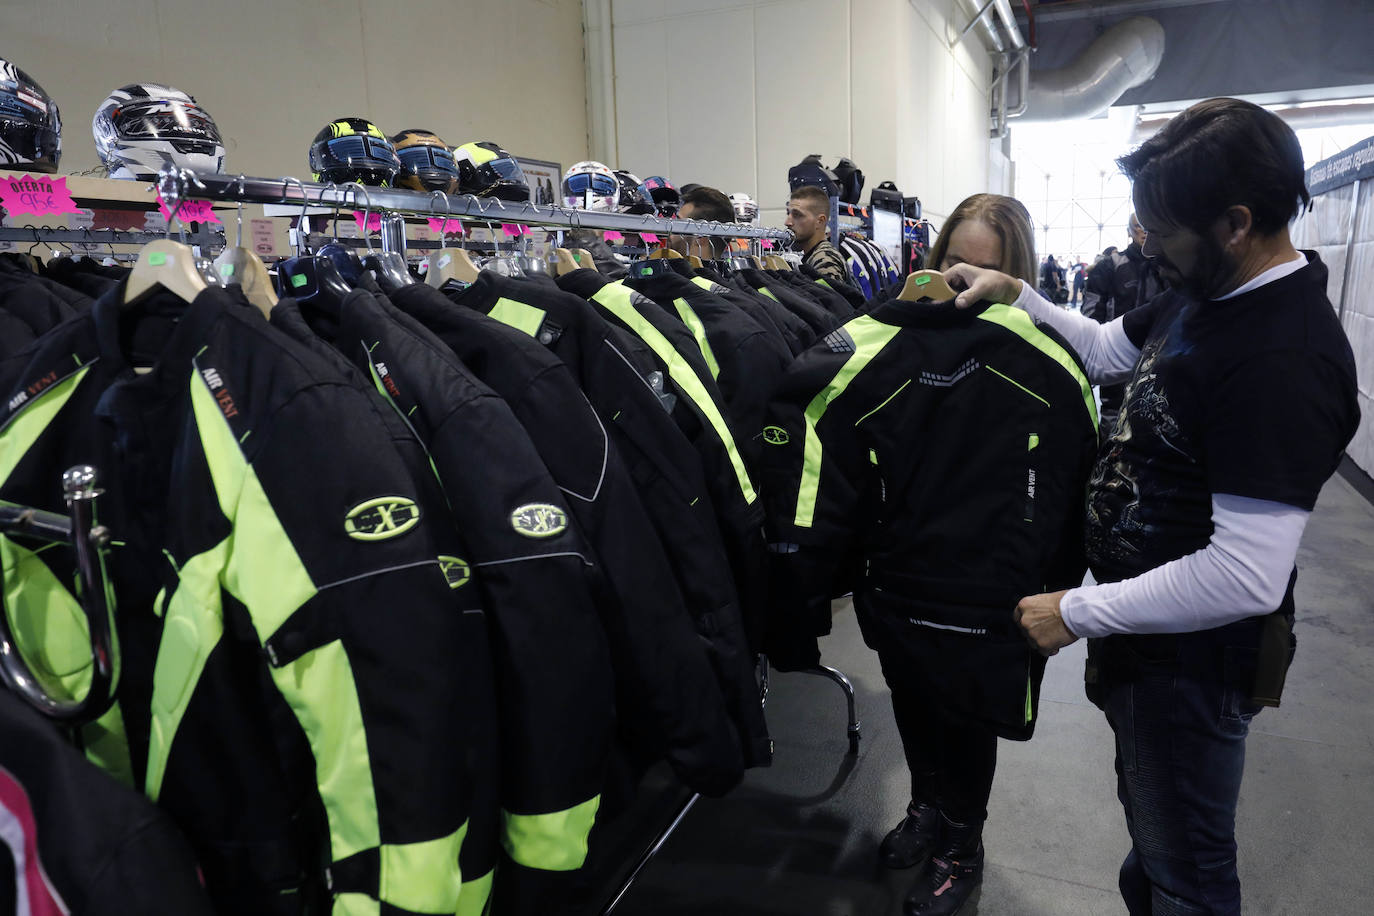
x=949 y=883
x=912 y=841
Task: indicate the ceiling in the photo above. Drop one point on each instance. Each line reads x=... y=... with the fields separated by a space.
x=1269 y=51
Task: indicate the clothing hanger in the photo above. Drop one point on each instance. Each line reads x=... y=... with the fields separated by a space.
x=775 y=262
x=562 y=262
x=345 y=258
x=165 y=263
x=926 y=284
x=240 y=267
x=306 y=278
x=449 y=263
x=387 y=266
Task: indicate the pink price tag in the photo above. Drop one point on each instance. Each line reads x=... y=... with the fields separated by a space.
x=649 y=237
x=446 y=226
x=510 y=229
x=765 y=243
x=38 y=196
x=189 y=211
x=613 y=236
x=374 y=221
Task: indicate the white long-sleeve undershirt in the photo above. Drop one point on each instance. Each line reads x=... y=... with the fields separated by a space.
x=1244 y=569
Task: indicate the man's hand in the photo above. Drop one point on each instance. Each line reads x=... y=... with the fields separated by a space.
x=978 y=283
x=1038 y=617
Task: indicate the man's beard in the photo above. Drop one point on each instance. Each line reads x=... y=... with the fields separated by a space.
x=1212 y=269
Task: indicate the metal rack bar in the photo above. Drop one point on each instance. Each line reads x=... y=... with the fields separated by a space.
x=228 y=188
x=40 y=234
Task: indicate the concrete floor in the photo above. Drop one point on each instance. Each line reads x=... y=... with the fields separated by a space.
x=799 y=839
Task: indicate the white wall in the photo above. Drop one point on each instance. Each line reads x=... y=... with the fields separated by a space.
x=733 y=94
x=1349 y=258
x=273 y=72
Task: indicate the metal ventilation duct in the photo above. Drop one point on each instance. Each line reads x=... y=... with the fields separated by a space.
x=1121 y=58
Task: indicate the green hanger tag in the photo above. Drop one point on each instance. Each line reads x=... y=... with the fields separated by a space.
x=157 y=259
x=299 y=280
x=226 y=270
x=922 y=281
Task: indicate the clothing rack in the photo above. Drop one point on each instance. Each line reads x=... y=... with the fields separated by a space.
x=332 y=197
x=202 y=235
x=394 y=205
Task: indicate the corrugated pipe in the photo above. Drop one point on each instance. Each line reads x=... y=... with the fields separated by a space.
x=1121 y=58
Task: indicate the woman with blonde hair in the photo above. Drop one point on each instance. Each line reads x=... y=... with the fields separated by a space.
x=952 y=757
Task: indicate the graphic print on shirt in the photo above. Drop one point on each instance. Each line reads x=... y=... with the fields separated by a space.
x=1146 y=428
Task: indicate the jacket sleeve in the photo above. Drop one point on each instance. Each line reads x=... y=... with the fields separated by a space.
x=333 y=561
x=556 y=707
x=813 y=478
x=1097 y=291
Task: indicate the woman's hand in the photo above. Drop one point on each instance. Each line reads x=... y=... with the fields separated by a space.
x=973 y=284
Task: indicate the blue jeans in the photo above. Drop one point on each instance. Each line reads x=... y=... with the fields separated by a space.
x=1180 y=708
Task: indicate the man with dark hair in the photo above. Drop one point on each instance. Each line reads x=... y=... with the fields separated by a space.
x=808 y=216
x=1240 y=401
x=701 y=202
x=1120 y=282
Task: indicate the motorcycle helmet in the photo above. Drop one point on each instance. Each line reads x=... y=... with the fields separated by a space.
x=634 y=197
x=746 y=211
x=30 y=126
x=810 y=172
x=590 y=185
x=142 y=127
x=850 y=178
x=665 y=197
x=353 y=149
x=489 y=171
x=427 y=164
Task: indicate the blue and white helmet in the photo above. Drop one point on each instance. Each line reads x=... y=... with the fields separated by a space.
x=142 y=127
x=591 y=185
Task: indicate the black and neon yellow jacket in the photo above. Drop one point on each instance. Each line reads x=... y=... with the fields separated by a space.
x=294 y=675
x=700 y=411
x=796 y=334
x=556 y=710
x=659 y=544
x=933 y=461
x=745 y=358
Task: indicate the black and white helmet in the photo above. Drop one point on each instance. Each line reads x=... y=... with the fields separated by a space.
x=141 y=127
x=30 y=126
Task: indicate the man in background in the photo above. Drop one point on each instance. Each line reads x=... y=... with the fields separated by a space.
x=1117 y=284
x=701 y=202
x=808 y=216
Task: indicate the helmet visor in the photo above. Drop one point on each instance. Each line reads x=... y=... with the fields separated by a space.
x=505 y=168
x=422 y=159
x=162 y=120
x=362 y=151
x=593 y=183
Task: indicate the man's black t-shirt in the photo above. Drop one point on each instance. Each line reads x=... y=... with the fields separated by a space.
x=1252 y=396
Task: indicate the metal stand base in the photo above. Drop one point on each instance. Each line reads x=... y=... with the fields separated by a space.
x=853 y=732
x=838 y=677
